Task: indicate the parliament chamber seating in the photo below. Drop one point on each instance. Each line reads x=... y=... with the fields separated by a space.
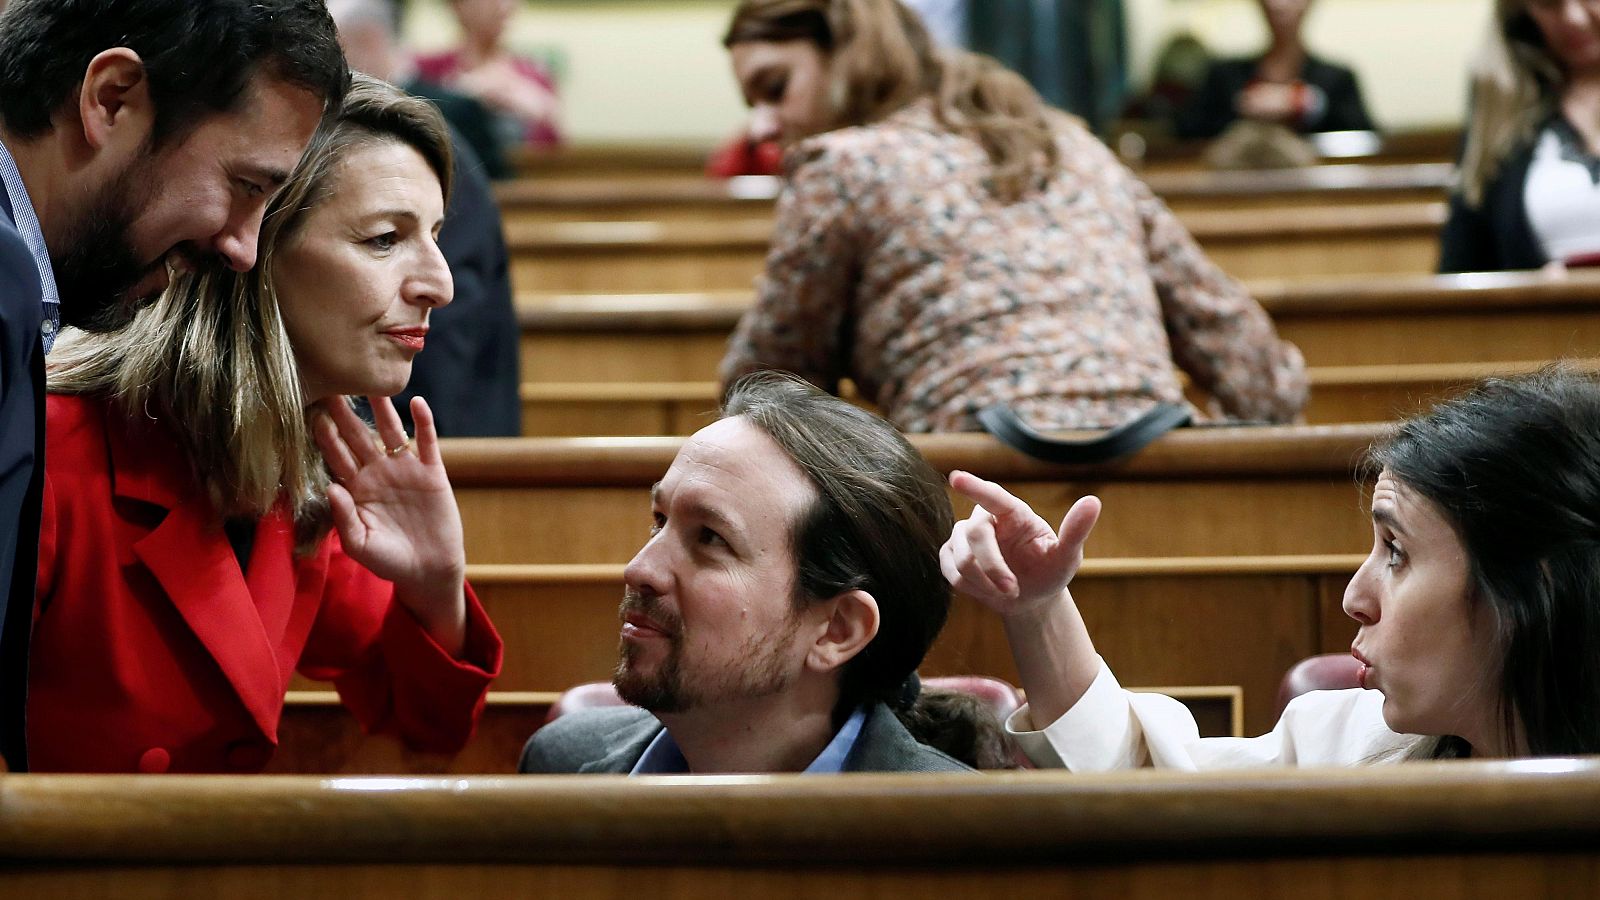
x=1224 y=553
x=651 y=196
x=1451 y=831
x=1378 y=348
x=697 y=255
x=1220 y=562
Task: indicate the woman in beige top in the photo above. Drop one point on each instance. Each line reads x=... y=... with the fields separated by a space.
x=947 y=241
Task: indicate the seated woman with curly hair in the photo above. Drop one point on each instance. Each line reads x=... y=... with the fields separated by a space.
x=949 y=242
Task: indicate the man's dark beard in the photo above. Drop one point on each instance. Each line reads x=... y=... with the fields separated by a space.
x=98 y=266
x=662 y=693
x=762 y=673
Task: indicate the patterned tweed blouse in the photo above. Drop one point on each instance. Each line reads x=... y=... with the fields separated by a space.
x=894 y=266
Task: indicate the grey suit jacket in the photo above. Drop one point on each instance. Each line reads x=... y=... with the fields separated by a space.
x=611 y=740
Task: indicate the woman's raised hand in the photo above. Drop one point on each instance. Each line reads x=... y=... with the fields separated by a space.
x=1008 y=558
x=394 y=510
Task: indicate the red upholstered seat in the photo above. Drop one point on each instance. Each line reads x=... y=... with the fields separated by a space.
x=1001 y=698
x=1328 y=672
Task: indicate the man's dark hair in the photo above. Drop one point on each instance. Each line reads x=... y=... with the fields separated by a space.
x=880 y=516
x=199 y=55
x=1514 y=466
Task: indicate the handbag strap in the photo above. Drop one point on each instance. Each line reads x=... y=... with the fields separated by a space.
x=1130 y=437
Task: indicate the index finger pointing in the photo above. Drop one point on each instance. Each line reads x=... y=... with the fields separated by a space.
x=1001 y=503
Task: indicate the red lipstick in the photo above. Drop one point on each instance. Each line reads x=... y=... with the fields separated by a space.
x=411 y=338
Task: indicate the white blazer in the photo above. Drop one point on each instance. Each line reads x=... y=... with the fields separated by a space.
x=1110 y=728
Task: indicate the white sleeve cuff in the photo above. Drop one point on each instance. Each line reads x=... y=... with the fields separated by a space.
x=1098 y=733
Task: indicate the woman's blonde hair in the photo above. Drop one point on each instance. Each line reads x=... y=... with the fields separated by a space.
x=882 y=59
x=1516 y=84
x=210 y=359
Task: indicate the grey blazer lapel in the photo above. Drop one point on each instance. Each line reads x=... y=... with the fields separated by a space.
x=629 y=740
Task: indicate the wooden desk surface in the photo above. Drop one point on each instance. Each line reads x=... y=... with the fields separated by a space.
x=995 y=820
x=1336 y=297
x=1419 y=832
x=1231 y=452
x=757 y=193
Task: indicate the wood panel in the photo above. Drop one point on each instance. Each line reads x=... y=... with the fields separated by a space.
x=1234 y=620
x=613 y=162
x=1197 y=492
x=1450 y=830
x=1297 y=244
x=1339 y=394
x=668 y=198
x=316 y=736
x=1377 y=393
x=1484 y=317
x=1321 y=242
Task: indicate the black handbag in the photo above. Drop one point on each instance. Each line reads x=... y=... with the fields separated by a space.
x=1130 y=437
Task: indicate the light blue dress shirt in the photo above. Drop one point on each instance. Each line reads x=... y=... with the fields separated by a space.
x=662 y=756
x=33 y=236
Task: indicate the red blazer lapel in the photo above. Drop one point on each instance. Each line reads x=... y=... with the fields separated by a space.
x=272 y=580
x=191 y=559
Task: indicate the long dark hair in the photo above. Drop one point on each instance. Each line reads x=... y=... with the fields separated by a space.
x=1514 y=466
x=880 y=517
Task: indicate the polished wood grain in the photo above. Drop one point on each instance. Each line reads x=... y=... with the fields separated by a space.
x=1199 y=620
x=316 y=736
x=1377 y=876
x=649 y=196
x=1485 y=317
x=1440 y=830
x=614 y=162
x=692 y=255
x=1339 y=394
x=1196 y=492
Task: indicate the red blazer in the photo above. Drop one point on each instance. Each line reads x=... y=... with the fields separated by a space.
x=152 y=650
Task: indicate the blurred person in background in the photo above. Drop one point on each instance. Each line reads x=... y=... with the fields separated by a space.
x=1528 y=193
x=948 y=242
x=1285 y=86
x=471 y=371
x=521 y=91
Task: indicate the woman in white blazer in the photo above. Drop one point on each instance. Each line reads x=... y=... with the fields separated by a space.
x=1478 y=605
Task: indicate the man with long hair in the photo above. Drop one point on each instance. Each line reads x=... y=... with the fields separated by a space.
x=775 y=619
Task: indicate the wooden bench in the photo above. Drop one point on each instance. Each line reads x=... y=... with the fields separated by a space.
x=695 y=197
x=1481 y=317
x=1197 y=492
x=316 y=736
x=615 y=162
x=1365 y=393
x=1205 y=620
x=1300 y=244
x=1479 y=830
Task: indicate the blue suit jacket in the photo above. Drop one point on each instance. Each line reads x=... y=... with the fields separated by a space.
x=21 y=473
x=469 y=372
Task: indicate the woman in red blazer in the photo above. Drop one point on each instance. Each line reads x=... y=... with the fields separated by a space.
x=216 y=515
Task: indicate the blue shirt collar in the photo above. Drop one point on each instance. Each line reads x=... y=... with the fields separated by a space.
x=27 y=221
x=662 y=756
